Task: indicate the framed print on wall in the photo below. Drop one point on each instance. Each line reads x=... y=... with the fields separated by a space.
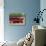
x=16 y=19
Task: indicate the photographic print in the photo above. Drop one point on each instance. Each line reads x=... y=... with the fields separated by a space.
x=16 y=19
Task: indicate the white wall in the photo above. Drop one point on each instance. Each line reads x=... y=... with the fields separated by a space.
x=43 y=6
x=1 y=21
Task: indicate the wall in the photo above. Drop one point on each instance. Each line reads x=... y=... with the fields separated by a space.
x=29 y=7
x=43 y=6
x=1 y=21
